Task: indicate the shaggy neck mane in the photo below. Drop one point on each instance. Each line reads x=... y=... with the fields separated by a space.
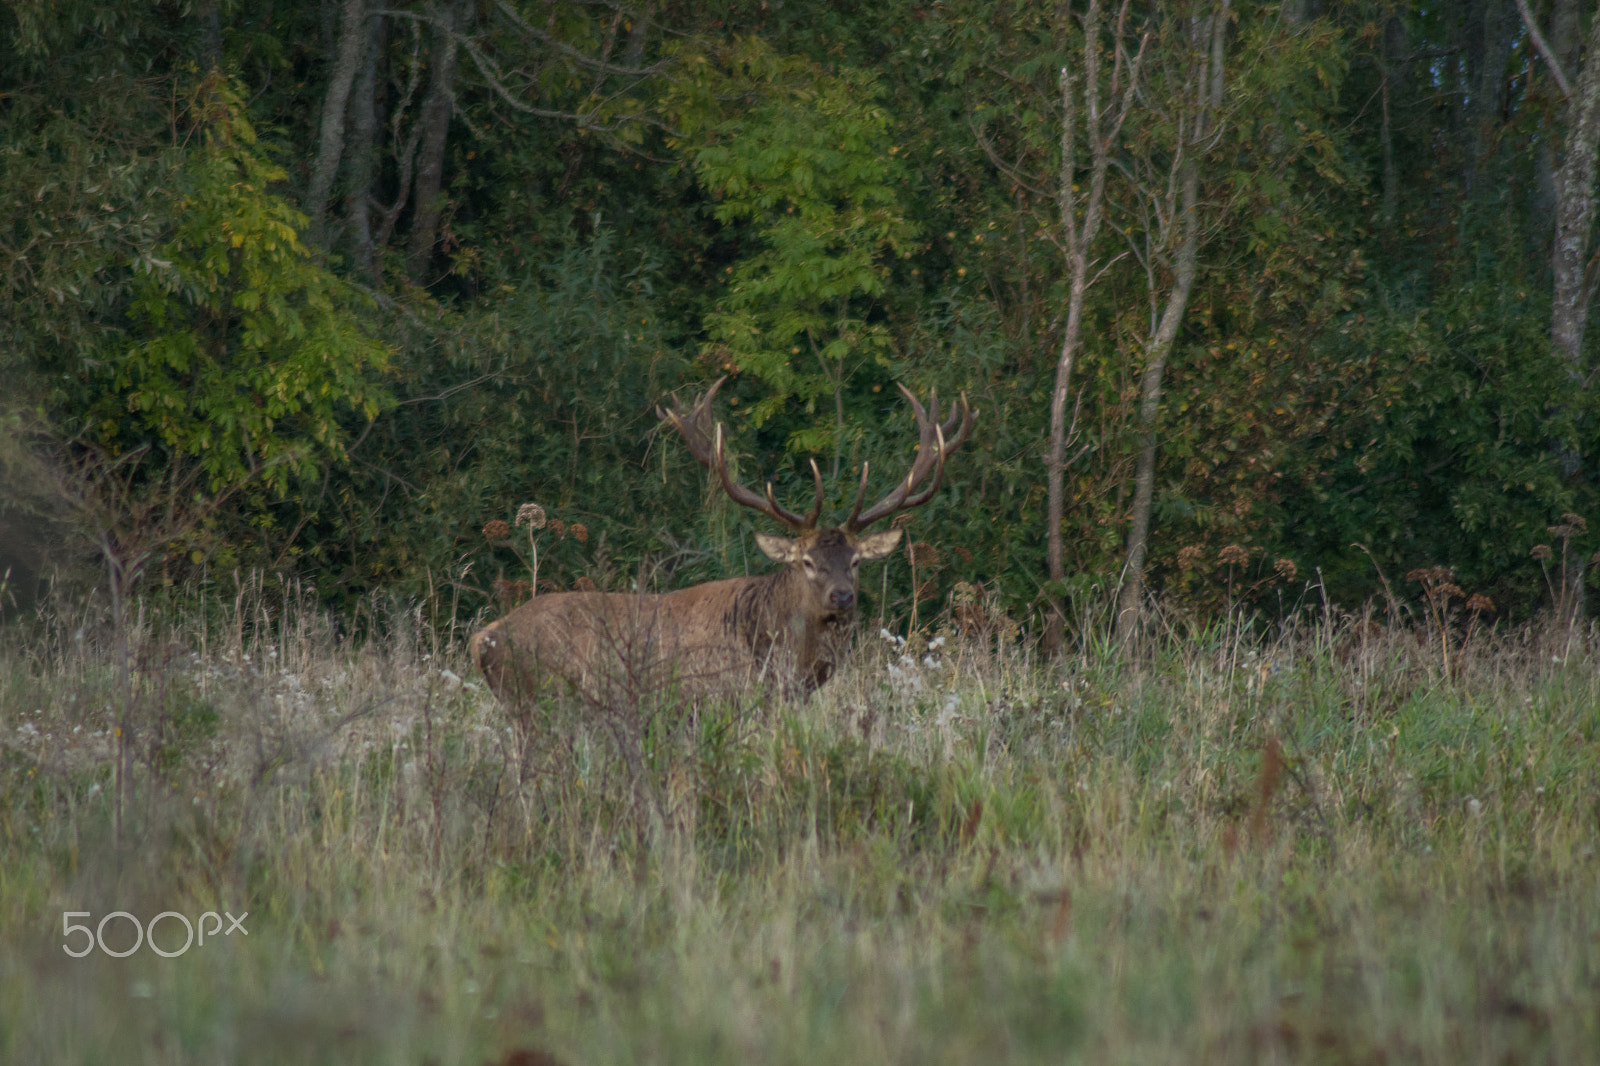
x=766 y=609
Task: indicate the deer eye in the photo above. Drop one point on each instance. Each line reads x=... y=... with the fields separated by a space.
x=855 y=561
x=811 y=567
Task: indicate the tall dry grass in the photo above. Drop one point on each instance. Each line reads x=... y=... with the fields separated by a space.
x=1328 y=842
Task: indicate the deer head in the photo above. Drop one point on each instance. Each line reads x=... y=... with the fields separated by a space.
x=828 y=559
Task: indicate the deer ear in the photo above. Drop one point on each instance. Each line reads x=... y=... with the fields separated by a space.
x=878 y=545
x=778 y=549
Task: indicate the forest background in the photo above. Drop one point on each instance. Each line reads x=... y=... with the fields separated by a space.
x=1267 y=298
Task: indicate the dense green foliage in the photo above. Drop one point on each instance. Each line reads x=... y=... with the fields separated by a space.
x=540 y=219
x=241 y=347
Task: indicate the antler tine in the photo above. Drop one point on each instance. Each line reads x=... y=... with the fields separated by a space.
x=861 y=495
x=708 y=451
x=965 y=418
x=767 y=505
x=816 y=506
x=938 y=475
x=937 y=441
x=690 y=424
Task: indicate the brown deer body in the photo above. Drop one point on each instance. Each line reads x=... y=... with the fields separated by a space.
x=786 y=630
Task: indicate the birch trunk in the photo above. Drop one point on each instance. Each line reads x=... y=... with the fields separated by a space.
x=1574 y=210
x=1185 y=263
x=1185 y=266
x=360 y=161
x=331 y=143
x=1078 y=240
x=437 y=108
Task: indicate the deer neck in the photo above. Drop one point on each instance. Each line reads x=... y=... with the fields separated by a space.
x=771 y=611
x=775 y=622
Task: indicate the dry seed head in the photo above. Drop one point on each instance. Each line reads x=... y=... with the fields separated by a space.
x=580 y=532
x=1189 y=555
x=1430 y=576
x=495 y=529
x=1576 y=522
x=558 y=527
x=922 y=554
x=1480 y=602
x=1541 y=552
x=530 y=514
x=1286 y=569
x=1233 y=555
x=510 y=593
x=583 y=584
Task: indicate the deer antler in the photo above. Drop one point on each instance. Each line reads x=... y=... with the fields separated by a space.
x=707 y=449
x=936 y=443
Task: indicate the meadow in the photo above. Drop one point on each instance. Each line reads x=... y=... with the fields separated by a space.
x=1316 y=841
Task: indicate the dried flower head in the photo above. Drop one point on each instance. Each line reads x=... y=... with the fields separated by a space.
x=1541 y=552
x=966 y=556
x=1286 y=569
x=1431 y=575
x=580 y=532
x=530 y=514
x=558 y=527
x=1189 y=555
x=1233 y=555
x=495 y=529
x=583 y=584
x=1571 y=525
x=1480 y=602
x=510 y=593
x=922 y=553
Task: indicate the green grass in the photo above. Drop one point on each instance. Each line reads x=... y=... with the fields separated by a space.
x=1219 y=850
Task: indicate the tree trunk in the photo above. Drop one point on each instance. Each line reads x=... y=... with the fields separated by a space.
x=210 y=35
x=1566 y=24
x=638 y=34
x=1392 y=73
x=1185 y=265
x=1078 y=268
x=1079 y=238
x=1574 y=210
x=331 y=144
x=1490 y=29
x=437 y=109
x=360 y=162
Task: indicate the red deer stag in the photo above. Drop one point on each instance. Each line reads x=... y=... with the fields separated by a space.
x=787 y=629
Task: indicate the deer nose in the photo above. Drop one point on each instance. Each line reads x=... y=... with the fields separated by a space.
x=841 y=598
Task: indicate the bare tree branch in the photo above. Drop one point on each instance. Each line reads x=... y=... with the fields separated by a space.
x=1548 y=53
